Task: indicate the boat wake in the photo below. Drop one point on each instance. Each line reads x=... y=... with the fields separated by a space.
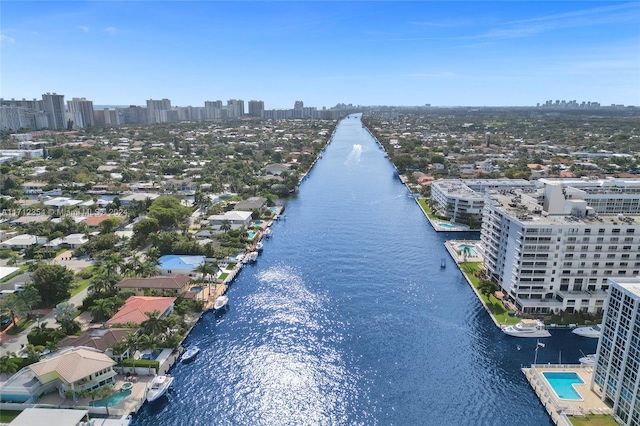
x=354 y=156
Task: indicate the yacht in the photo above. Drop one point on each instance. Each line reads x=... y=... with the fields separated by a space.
x=527 y=328
x=189 y=354
x=588 y=360
x=588 y=331
x=259 y=246
x=159 y=387
x=252 y=257
x=220 y=302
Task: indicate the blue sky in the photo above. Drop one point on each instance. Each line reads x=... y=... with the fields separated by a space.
x=365 y=53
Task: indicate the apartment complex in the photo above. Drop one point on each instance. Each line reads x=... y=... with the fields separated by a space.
x=551 y=251
x=462 y=200
x=617 y=369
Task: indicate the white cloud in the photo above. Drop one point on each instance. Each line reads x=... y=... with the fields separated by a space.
x=6 y=39
x=84 y=28
x=111 y=30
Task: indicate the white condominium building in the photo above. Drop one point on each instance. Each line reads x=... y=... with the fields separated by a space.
x=616 y=372
x=550 y=251
x=462 y=200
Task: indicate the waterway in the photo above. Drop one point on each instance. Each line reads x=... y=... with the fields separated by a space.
x=348 y=319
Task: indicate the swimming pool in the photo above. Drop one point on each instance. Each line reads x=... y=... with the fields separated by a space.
x=258 y=223
x=563 y=383
x=196 y=289
x=471 y=252
x=151 y=356
x=446 y=225
x=251 y=235
x=113 y=399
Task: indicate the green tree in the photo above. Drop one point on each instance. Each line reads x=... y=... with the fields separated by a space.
x=109 y=225
x=132 y=343
x=151 y=342
x=102 y=309
x=169 y=212
x=9 y=364
x=104 y=393
x=30 y=297
x=487 y=288
x=12 y=306
x=154 y=324
x=53 y=283
x=32 y=352
x=143 y=229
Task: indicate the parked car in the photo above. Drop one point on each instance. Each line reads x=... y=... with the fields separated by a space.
x=4 y=323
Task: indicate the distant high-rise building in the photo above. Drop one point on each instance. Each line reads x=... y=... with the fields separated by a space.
x=53 y=105
x=298 y=104
x=256 y=108
x=154 y=108
x=235 y=108
x=82 y=108
x=618 y=354
x=133 y=114
x=13 y=118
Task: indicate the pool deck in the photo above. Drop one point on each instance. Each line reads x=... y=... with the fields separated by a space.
x=560 y=409
x=458 y=256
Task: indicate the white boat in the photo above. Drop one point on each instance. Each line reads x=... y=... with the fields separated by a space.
x=220 y=302
x=590 y=331
x=252 y=257
x=267 y=233
x=527 y=328
x=588 y=359
x=190 y=353
x=259 y=245
x=159 y=387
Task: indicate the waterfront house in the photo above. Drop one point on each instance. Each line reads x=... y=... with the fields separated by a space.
x=236 y=219
x=135 y=308
x=172 y=264
x=74 y=368
x=251 y=203
x=177 y=284
x=101 y=339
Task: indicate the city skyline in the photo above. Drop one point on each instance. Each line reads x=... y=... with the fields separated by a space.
x=324 y=53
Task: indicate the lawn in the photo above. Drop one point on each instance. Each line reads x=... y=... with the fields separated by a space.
x=426 y=208
x=593 y=420
x=20 y=326
x=7 y=416
x=495 y=306
x=223 y=276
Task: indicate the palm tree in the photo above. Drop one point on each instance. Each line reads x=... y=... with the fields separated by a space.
x=151 y=342
x=12 y=306
x=102 y=309
x=118 y=349
x=132 y=343
x=32 y=352
x=30 y=296
x=105 y=393
x=226 y=226
x=9 y=364
x=154 y=324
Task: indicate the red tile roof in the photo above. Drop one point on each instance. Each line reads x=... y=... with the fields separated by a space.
x=175 y=282
x=134 y=309
x=95 y=220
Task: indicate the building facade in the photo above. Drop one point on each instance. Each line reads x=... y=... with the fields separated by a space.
x=82 y=112
x=53 y=105
x=556 y=254
x=617 y=369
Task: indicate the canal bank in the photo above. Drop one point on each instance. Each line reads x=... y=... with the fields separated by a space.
x=347 y=318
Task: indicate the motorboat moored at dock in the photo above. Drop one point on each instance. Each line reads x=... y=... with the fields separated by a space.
x=220 y=302
x=189 y=354
x=527 y=328
x=593 y=331
x=159 y=387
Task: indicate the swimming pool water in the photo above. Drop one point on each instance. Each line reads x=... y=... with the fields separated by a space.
x=251 y=235
x=113 y=399
x=562 y=384
x=446 y=225
x=472 y=250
